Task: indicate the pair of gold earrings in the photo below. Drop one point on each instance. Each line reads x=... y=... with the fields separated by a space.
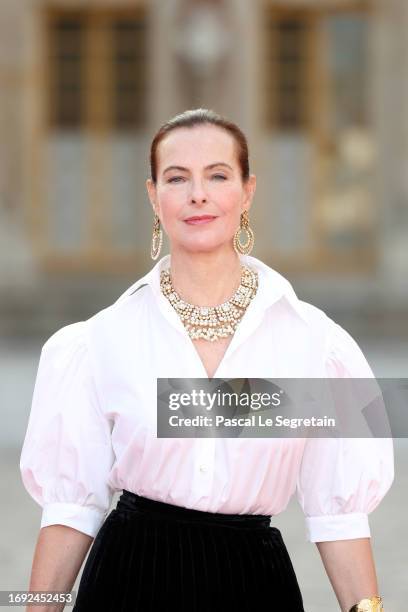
x=244 y=249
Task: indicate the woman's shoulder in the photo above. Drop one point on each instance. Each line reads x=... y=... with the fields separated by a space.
x=338 y=340
x=278 y=288
x=343 y=353
x=64 y=350
x=70 y=334
x=108 y=322
x=337 y=337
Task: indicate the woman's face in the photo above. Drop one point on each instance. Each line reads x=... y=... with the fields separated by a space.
x=198 y=174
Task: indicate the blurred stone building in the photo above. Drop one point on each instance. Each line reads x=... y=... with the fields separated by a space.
x=319 y=86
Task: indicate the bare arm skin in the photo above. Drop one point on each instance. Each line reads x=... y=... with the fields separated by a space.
x=61 y=550
x=351 y=570
x=58 y=557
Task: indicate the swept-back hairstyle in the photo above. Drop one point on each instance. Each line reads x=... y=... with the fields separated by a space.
x=201 y=116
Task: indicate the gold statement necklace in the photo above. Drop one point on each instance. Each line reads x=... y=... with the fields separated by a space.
x=212 y=322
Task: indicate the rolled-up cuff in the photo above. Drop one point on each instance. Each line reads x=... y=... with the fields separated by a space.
x=85 y=519
x=337 y=527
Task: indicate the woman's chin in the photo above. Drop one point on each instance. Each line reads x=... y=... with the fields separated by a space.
x=200 y=246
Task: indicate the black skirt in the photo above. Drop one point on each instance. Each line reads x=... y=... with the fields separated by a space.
x=149 y=555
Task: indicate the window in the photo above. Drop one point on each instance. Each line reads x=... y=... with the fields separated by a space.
x=88 y=213
x=317 y=124
x=130 y=75
x=97 y=67
x=67 y=72
x=347 y=204
x=287 y=79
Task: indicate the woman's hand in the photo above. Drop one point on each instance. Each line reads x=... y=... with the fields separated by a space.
x=351 y=570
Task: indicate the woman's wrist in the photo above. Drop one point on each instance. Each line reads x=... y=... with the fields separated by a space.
x=368 y=604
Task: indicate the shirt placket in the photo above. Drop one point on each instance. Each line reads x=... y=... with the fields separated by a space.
x=205 y=448
x=204 y=466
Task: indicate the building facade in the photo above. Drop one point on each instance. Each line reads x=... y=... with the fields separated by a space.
x=318 y=86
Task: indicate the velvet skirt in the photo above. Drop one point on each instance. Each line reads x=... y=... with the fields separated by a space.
x=149 y=555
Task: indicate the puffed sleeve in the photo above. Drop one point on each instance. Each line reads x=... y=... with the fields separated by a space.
x=342 y=480
x=67 y=451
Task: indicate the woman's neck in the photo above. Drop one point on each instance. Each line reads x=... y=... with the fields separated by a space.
x=205 y=279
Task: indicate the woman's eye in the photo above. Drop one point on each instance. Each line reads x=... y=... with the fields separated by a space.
x=174 y=179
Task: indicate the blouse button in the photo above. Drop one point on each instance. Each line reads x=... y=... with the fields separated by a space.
x=203 y=468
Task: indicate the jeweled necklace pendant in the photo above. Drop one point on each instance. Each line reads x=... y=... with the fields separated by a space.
x=212 y=322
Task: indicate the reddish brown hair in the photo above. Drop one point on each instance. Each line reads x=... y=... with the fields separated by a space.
x=201 y=116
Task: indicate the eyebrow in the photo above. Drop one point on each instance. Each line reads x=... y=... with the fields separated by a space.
x=206 y=168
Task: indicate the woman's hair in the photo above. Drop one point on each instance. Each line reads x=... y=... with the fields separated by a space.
x=201 y=116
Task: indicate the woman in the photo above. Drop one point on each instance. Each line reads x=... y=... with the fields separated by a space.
x=192 y=526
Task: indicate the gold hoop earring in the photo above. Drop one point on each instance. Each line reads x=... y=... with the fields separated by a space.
x=157 y=238
x=247 y=247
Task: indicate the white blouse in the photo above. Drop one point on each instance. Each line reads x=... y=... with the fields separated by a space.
x=92 y=426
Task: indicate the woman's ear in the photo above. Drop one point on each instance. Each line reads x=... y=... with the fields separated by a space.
x=250 y=187
x=151 y=191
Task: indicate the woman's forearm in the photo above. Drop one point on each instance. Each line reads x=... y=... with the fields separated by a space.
x=351 y=570
x=58 y=557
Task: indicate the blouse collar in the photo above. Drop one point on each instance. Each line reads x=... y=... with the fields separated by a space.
x=272 y=285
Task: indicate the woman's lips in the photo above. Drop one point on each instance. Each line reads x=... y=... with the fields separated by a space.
x=199 y=221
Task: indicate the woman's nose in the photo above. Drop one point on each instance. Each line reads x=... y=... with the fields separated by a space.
x=198 y=193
